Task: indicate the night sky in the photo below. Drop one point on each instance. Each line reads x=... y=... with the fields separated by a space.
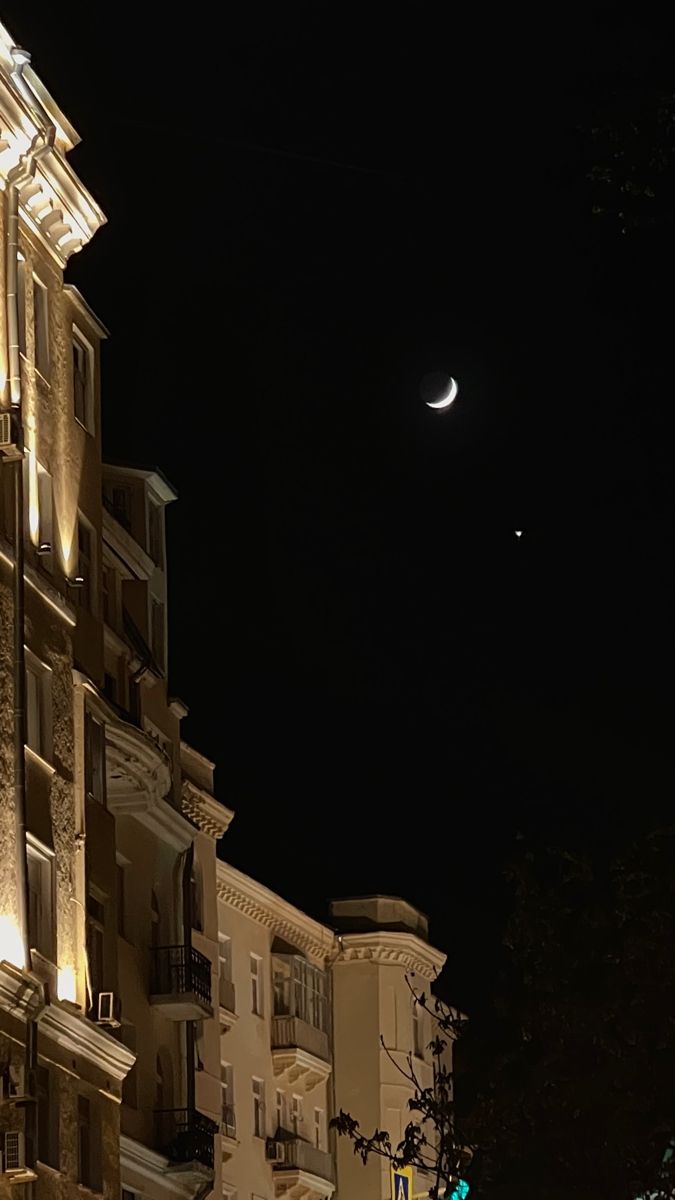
x=310 y=208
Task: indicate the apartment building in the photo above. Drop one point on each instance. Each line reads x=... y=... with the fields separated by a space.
x=169 y=1027
x=109 y=1038
x=303 y=1007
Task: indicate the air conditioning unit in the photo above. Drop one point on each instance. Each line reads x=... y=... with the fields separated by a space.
x=8 y=447
x=274 y=1151
x=108 y=1010
x=14 y=1151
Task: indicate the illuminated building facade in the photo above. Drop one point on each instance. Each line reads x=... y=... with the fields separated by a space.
x=109 y=1056
x=169 y=1028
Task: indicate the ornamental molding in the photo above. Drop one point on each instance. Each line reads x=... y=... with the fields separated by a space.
x=205 y=811
x=246 y=896
x=53 y=202
x=393 y=949
x=135 y=765
x=20 y=993
x=78 y=1035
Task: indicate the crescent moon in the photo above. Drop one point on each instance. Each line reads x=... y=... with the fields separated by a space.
x=445 y=401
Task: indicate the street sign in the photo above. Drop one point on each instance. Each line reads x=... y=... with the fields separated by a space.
x=401 y=1183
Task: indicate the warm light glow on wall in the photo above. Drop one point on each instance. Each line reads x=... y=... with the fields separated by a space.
x=33 y=499
x=11 y=944
x=67 y=984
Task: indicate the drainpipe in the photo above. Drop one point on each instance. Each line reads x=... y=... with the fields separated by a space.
x=23 y=172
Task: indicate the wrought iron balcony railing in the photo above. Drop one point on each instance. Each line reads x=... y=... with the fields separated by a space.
x=179 y=971
x=185 y=1135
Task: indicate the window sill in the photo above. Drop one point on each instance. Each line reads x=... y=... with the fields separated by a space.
x=85 y=1190
x=45 y=1166
x=89 y=432
x=41 y=762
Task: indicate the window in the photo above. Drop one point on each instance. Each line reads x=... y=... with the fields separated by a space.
x=300 y=990
x=86 y=565
x=281 y=1109
x=225 y=971
x=228 y=1122
x=48 y=1117
x=121 y=898
x=256 y=985
x=318 y=1128
x=157 y=632
x=296 y=1114
x=38 y=707
x=127 y=1194
x=88 y=1144
x=41 y=326
x=155 y=532
x=95 y=944
x=110 y=687
x=40 y=900
x=94 y=758
x=83 y=380
x=418 y=1030
x=258 y=1108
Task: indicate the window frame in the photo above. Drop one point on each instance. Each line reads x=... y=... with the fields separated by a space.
x=42 y=674
x=44 y=943
x=228 y=1126
x=257 y=990
x=258 y=1094
x=80 y=340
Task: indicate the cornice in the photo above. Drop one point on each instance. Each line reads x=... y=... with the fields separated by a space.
x=393 y=949
x=205 y=811
x=20 y=993
x=246 y=896
x=78 y=1035
x=53 y=201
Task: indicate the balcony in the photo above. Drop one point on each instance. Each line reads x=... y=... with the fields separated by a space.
x=304 y=1170
x=226 y=1003
x=185 y=1136
x=300 y=1051
x=180 y=983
